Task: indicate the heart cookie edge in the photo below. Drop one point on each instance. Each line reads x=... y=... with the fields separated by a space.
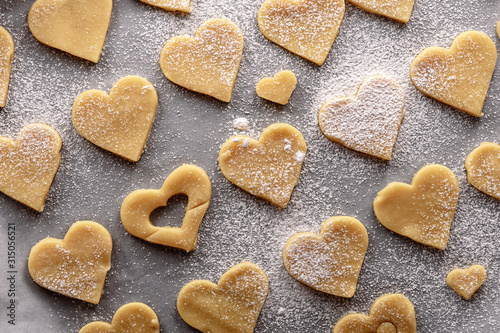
x=10 y=57
x=483 y=148
x=455 y=273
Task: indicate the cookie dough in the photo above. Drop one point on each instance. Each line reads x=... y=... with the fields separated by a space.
x=174 y=5
x=232 y=305
x=395 y=10
x=207 y=63
x=331 y=261
x=6 y=57
x=459 y=76
x=268 y=168
x=483 y=168
x=370 y=121
x=422 y=211
x=498 y=29
x=120 y=121
x=277 y=89
x=466 y=282
x=307 y=28
x=188 y=179
x=75 y=266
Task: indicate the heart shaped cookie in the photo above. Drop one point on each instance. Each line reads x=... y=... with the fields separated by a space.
x=277 y=89
x=466 y=282
x=129 y=318
x=395 y=10
x=207 y=64
x=483 y=168
x=232 y=305
x=390 y=313
x=75 y=266
x=459 y=76
x=6 y=57
x=121 y=121
x=422 y=211
x=268 y=168
x=187 y=179
x=29 y=164
x=174 y=5
x=307 y=28
x=330 y=262
x=368 y=123
x=78 y=27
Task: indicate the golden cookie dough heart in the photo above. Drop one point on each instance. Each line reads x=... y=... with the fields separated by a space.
x=483 y=168
x=173 y=5
x=307 y=28
x=75 y=266
x=390 y=313
x=207 y=63
x=466 y=282
x=232 y=305
x=29 y=164
x=459 y=76
x=187 y=179
x=129 y=318
x=395 y=10
x=120 y=121
x=498 y=29
x=331 y=261
x=422 y=211
x=6 y=57
x=268 y=168
x=369 y=122
x=78 y=27
x=277 y=89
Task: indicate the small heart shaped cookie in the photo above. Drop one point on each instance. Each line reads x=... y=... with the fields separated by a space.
x=129 y=318
x=277 y=89
x=174 y=5
x=232 y=305
x=121 y=121
x=391 y=313
x=466 y=282
x=307 y=28
x=190 y=180
x=6 y=57
x=78 y=27
x=268 y=168
x=483 y=168
x=75 y=266
x=459 y=76
x=395 y=10
x=330 y=262
x=29 y=164
x=207 y=64
x=422 y=211
x=368 y=123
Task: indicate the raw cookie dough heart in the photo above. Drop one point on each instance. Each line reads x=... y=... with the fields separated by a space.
x=422 y=211
x=174 y=5
x=368 y=123
x=277 y=89
x=498 y=29
x=190 y=180
x=78 y=27
x=396 y=10
x=121 y=121
x=307 y=28
x=268 y=168
x=330 y=262
x=232 y=305
x=483 y=168
x=6 y=56
x=459 y=76
x=75 y=266
x=130 y=318
x=466 y=282
x=391 y=313
x=207 y=64
x=29 y=164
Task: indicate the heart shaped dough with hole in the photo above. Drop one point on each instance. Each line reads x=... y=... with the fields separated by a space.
x=136 y=209
x=232 y=305
x=390 y=313
x=207 y=63
x=78 y=27
x=483 y=168
x=6 y=57
x=307 y=28
x=369 y=122
x=277 y=89
x=422 y=211
x=29 y=164
x=466 y=282
x=129 y=318
x=331 y=261
x=268 y=168
x=173 y=5
x=459 y=76
x=75 y=266
x=120 y=121
x=395 y=10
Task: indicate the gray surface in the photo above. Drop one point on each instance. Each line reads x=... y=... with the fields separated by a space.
x=189 y=128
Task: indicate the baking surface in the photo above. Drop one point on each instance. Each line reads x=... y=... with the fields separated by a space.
x=189 y=128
